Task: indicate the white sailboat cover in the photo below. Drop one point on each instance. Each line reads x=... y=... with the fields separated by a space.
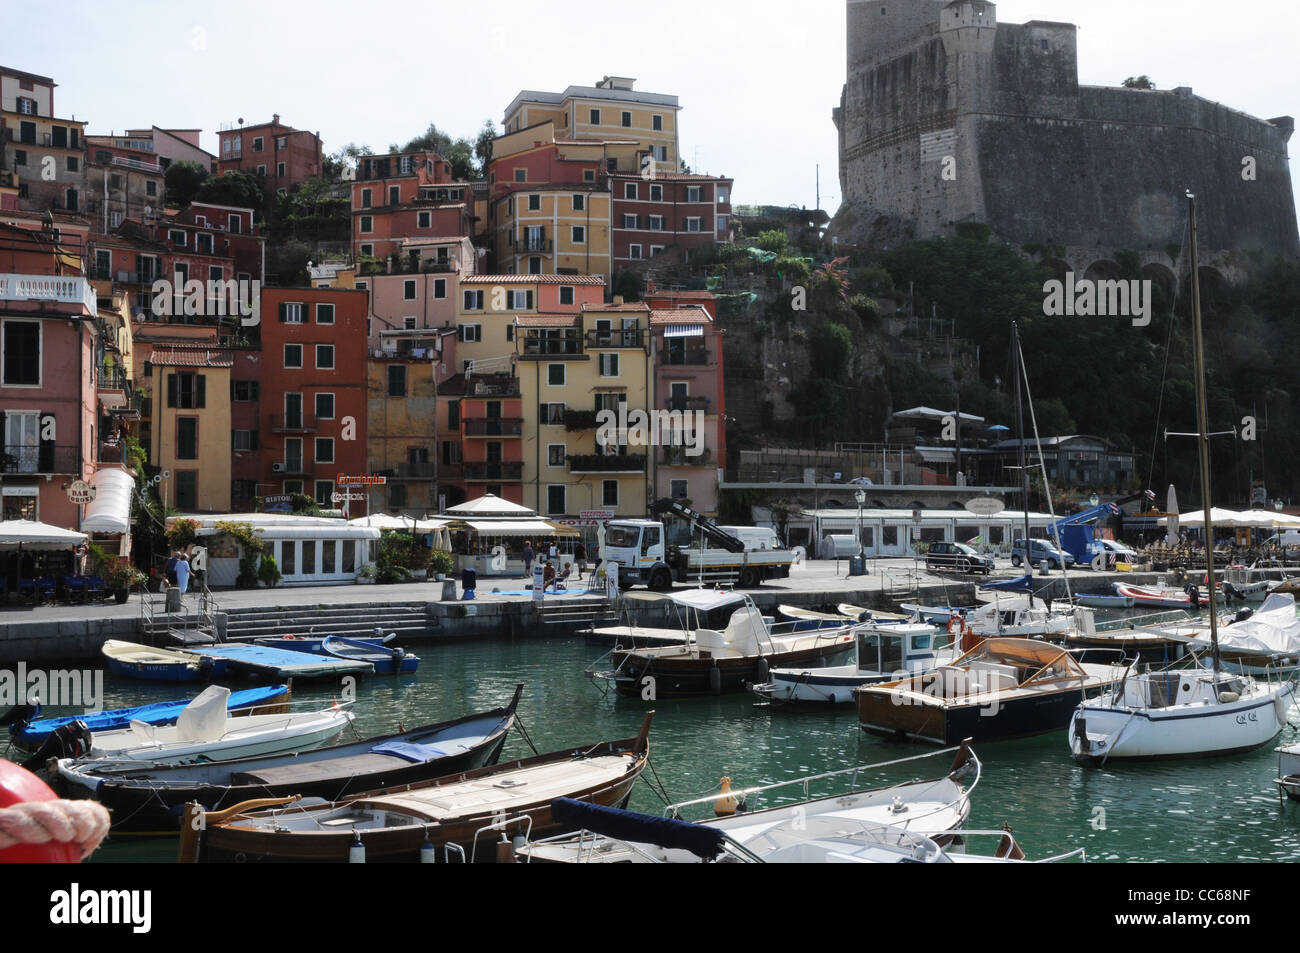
x=1274 y=629
x=204 y=719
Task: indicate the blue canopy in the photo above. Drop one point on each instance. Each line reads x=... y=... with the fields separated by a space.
x=703 y=842
x=1024 y=584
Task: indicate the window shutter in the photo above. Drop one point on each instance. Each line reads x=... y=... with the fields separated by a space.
x=529 y=305
x=284 y=312
x=201 y=391
x=173 y=390
x=252 y=440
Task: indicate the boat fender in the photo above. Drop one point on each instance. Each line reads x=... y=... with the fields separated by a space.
x=763 y=671
x=726 y=805
x=715 y=680
x=428 y=853
x=37 y=827
x=357 y=852
x=1228 y=698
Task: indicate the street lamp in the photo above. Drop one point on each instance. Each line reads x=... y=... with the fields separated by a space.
x=861 y=497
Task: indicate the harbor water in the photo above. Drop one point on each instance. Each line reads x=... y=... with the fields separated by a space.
x=1215 y=810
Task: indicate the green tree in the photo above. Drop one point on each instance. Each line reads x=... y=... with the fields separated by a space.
x=1139 y=82
x=483 y=146
x=337 y=163
x=183 y=181
x=773 y=240
x=236 y=189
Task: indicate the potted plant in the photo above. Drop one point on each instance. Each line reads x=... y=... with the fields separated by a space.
x=440 y=564
x=367 y=575
x=121 y=579
x=268 y=572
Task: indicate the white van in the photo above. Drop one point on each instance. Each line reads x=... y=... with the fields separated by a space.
x=1289 y=538
x=755 y=538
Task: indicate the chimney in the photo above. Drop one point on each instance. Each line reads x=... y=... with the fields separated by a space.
x=618 y=301
x=650 y=286
x=275 y=118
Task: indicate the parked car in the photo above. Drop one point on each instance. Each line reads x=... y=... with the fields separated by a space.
x=1115 y=552
x=957 y=556
x=1040 y=549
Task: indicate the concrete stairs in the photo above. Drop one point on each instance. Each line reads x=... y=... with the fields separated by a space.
x=409 y=620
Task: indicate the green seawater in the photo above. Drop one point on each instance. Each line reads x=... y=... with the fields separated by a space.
x=1216 y=810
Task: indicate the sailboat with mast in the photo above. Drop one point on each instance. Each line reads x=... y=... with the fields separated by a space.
x=1191 y=712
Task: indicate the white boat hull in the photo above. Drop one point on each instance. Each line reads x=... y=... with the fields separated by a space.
x=1101 y=731
x=822 y=686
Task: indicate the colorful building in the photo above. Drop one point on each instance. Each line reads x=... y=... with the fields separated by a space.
x=191 y=425
x=45 y=155
x=313 y=393
x=280 y=155
x=671 y=213
x=402 y=197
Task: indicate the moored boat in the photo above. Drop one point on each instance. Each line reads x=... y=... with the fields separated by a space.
x=29 y=731
x=464 y=813
x=1002 y=688
x=386 y=661
x=713 y=661
x=1288 y=770
x=883 y=652
x=150 y=799
x=130 y=660
x=1101 y=600
x=1156 y=597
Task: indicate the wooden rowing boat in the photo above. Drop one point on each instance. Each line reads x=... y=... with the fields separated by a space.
x=469 y=811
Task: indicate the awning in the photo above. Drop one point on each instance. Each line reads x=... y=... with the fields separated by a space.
x=684 y=331
x=30 y=534
x=110 y=511
x=540 y=528
x=937 y=454
x=703 y=600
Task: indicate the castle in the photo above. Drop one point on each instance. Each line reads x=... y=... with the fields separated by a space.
x=949 y=116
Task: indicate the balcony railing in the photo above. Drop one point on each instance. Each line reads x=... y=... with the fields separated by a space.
x=607 y=463
x=616 y=338
x=493 y=426
x=451 y=471
x=293 y=423
x=44 y=459
x=691 y=358
x=138 y=164
x=296 y=468
x=112 y=377
x=579 y=420
x=416 y=471
x=688 y=403
x=50 y=288
x=492 y=388
x=567 y=343
x=491 y=472
x=534 y=244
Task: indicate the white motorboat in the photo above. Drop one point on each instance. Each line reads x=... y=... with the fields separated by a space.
x=206 y=730
x=1288 y=770
x=1181 y=713
x=884 y=652
x=1265 y=642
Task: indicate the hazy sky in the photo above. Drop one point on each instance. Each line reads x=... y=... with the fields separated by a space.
x=756 y=80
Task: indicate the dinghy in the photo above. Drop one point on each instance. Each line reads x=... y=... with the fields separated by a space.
x=131 y=660
x=386 y=661
x=463 y=814
x=149 y=799
x=205 y=730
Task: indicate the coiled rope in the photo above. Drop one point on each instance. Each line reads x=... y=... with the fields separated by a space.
x=83 y=823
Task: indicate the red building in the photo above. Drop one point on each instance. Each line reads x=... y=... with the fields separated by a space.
x=280 y=155
x=312 y=401
x=400 y=197
x=669 y=213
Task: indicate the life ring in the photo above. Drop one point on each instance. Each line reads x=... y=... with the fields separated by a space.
x=955 y=622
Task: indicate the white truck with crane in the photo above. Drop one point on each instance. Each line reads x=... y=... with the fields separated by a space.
x=740 y=554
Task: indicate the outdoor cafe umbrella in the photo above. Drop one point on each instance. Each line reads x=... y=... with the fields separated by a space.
x=30 y=534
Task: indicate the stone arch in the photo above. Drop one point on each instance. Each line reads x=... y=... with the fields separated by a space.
x=1164 y=284
x=1058 y=267
x=1104 y=269
x=916 y=505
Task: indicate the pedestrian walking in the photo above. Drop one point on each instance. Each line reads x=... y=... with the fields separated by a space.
x=529 y=555
x=171 y=569
x=580 y=557
x=182 y=572
x=554 y=553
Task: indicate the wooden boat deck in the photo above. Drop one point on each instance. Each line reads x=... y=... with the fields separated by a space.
x=506 y=791
x=320 y=770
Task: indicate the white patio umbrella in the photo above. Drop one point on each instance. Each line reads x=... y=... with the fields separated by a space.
x=30 y=534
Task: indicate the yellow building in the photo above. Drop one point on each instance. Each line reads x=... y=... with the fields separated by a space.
x=553 y=229
x=571 y=368
x=612 y=109
x=402 y=432
x=190 y=433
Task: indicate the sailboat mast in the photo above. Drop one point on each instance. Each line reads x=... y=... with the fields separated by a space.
x=1203 y=438
x=1020 y=434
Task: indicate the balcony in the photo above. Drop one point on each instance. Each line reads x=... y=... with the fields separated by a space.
x=492 y=388
x=579 y=420
x=565 y=342
x=534 y=245
x=493 y=472
x=450 y=472
x=43 y=459
x=606 y=463
x=616 y=338
x=416 y=471
x=47 y=288
x=112 y=377
x=493 y=426
x=688 y=403
x=293 y=468
x=138 y=164
x=695 y=357
x=293 y=423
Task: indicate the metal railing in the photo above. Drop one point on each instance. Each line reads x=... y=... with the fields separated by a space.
x=607 y=463
x=688 y=403
x=483 y=472
x=43 y=458
x=691 y=358
x=417 y=471
x=616 y=338
x=293 y=423
x=493 y=426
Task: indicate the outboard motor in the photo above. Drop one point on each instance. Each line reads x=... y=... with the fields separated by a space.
x=20 y=716
x=1242 y=615
x=1232 y=592
x=206 y=664
x=67 y=741
x=1194 y=594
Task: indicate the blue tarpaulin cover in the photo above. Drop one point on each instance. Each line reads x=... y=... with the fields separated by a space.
x=1023 y=584
x=410 y=751
x=705 y=842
